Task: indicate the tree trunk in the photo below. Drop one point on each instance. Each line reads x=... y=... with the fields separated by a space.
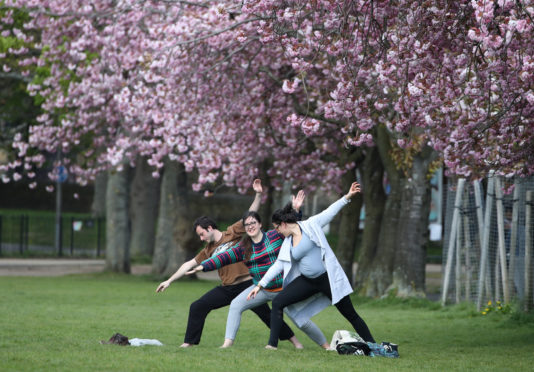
x=186 y=243
x=349 y=220
x=117 y=222
x=380 y=268
x=348 y=230
x=143 y=209
x=266 y=209
x=175 y=241
x=374 y=199
x=410 y=258
x=398 y=266
x=98 y=208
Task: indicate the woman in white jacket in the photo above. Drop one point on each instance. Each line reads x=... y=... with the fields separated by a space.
x=311 y=270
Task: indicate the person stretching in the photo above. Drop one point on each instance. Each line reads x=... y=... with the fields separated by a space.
x=235 y=278
x=310 y=269
x=258 y=250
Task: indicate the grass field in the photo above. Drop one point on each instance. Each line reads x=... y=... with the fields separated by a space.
x=55 y=323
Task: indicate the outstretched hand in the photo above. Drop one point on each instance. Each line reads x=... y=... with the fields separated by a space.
x=195 y=270
x=162 y=286
x=297 y=201
x=354 y=189
x=256 y=185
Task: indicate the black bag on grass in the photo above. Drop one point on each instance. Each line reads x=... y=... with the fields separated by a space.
x=354 y=348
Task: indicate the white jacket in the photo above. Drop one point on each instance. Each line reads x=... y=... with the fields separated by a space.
x=340 y=286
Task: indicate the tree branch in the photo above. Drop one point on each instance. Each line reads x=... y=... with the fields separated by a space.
x=215 y=33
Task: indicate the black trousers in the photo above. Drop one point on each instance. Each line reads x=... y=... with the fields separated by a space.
x=300 y=289
x=219 y=297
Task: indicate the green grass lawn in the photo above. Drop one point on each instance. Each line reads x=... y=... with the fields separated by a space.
x=49 y=324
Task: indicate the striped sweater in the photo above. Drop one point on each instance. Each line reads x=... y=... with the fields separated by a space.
x=264 y=254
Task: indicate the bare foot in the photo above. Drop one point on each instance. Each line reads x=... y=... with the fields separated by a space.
x=269 y=347
x=294 y=340
x=326 y=346
x=227 y=343
x=185 y=344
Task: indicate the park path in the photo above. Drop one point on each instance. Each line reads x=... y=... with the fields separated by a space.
x=66 y=266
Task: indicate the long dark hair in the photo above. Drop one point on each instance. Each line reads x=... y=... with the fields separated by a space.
x=286 y=214
x=246 y=241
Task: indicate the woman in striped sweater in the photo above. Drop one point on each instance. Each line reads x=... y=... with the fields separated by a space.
x=258 y=250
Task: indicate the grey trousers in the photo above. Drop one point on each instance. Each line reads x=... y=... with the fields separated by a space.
x=240 y=304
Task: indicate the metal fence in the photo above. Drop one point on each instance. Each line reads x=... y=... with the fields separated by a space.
x=488 y=242
x=34 y=235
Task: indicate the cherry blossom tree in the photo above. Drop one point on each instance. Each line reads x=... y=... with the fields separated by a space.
x=222 y=87
x=121 y=85
x=17 y=108
x=414 y=79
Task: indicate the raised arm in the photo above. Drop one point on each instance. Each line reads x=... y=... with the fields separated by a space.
x=297 y=201
x=329 y=213
x=256 y=185
x=354 y=189
x=186 y=266
x=237 y=228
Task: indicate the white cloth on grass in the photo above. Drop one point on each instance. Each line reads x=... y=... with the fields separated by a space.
x=143 y=342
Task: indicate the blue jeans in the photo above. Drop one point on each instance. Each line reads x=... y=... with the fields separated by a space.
x=215 y=299
x=240 y=304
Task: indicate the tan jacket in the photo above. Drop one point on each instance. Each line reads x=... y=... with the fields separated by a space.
x=232 y=273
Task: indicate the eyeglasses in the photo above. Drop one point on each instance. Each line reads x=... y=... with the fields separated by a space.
x=250 y=224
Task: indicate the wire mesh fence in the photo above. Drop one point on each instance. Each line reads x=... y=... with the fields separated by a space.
x=35 y=235
x=487 y=246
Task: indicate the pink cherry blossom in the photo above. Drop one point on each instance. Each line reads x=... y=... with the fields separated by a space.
x=223 y=89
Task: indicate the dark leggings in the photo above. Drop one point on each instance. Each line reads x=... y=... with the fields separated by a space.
x=219 y=297
x=300 y=289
